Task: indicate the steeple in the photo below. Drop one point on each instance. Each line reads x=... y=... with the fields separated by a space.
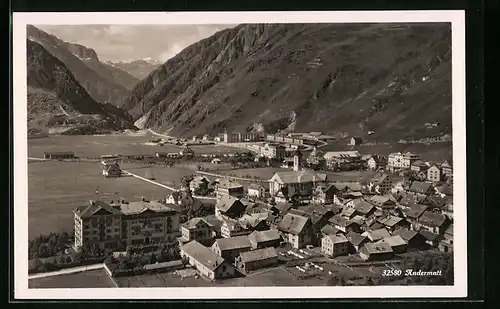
x=297 y=164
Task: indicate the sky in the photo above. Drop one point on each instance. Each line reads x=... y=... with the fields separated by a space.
x=133 y=42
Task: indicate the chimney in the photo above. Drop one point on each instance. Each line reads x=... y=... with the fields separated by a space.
x=91 y=202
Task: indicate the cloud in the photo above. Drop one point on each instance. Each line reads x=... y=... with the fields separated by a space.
x=126 y=42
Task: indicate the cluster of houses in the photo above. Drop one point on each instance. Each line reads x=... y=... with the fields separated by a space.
x=370 y=220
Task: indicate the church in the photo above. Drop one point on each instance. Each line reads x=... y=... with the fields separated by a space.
x=299 y=182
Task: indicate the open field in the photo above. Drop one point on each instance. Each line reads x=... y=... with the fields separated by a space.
x=55 y=188
x=433 y=152
x=88 y=279
x=264 y=173
x=170 y=176
x=97 y=145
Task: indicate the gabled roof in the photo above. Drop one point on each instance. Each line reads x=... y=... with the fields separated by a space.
x=377 y=234
x=255 y=186
x=329 y=230
x=337 y=238
x=363 y=207
x=194 y=222
x=348 y=211
x=264 y=236
x=342 y=154
x=291 y=177
x=293 y=224
x=258 y=255
x=339 y=220
x=232 y=243
x=406 y=234
x=358 y=220
x=355 y=238
x=389 y=220
x=228 y=184
x=394 y=241
x=379 y=178
x=138 y=207
x=380 y=200
x=432 y=219
x=203 y=255
x=94 y=207
x=428 y=235
x=226 y=202
x=373 y=248
x=420 y=187
x=283 y=207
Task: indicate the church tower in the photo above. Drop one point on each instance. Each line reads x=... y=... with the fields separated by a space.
x=297 y=161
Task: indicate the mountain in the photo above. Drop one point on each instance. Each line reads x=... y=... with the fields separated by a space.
x=138 y=68
x=351 y=78
x=57 y=103
x=103 y=82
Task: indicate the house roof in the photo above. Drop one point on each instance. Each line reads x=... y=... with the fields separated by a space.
x=293 y=224
x=373 y=248
x=377 y=234
x=283 y=207
x=291 y=177
x=406 y=234
x=337 y=238
x=394 y=241
x=376 y=225
x=203 y=255
x=413 y=198
x=355 y=238
x=94 y=207
x=212 y=220
x=264 y=236
x=255 y=186
x=226 y=202
x=432 y=219
x=338 y=220
x=258 y=255
x=138 y=207
x=379 y=178
x=348 y=211
x=363 y=207
x=341 y=154
x=436 y=201
x=420 y=187
x=229 y=184
x=248 y=221
x=191 y=224
x=330 y=230
x=428 y=235
x=232 y=243
x=358 y=220
x=389 y=220
x=379 y=200
x=445 y=189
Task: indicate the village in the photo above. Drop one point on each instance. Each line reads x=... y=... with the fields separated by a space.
x=308 y=218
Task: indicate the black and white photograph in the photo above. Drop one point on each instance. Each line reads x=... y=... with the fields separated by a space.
x=247 y=154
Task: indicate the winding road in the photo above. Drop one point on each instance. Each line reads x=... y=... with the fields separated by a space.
x=66 y=271
x=165 y=186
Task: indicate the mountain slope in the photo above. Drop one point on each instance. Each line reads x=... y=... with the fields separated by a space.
x=353 y=78
x=102 y=82
x=56 y=101
x=138 y=68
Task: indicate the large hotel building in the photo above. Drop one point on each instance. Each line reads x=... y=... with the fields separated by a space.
x=123 y=223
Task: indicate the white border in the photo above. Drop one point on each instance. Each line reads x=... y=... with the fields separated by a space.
x=20 y=20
